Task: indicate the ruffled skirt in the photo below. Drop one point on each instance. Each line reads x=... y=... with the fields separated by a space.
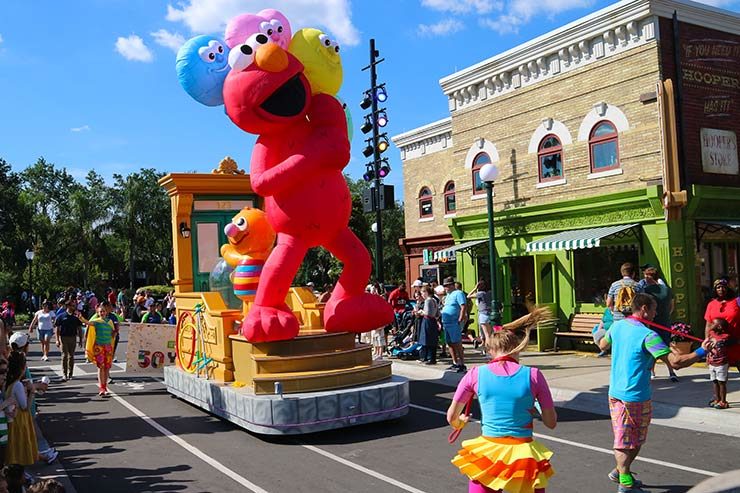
x=513 y=465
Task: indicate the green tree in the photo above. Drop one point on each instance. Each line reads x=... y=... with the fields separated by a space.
x=141 y=222
x=12 y=215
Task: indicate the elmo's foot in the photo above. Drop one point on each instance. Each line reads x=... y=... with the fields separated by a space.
x=357 y=314
x=267 y=323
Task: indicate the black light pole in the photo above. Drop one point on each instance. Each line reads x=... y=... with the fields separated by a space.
x=380 y=278
x=29 y=256
x=489 y=173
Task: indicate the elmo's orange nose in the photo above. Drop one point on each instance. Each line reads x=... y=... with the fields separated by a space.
x=272 y=58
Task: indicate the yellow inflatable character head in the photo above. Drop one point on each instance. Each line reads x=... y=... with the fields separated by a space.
x=249 y=233
x=319 y=55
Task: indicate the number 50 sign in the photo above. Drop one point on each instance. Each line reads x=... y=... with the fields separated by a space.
x=151 y=347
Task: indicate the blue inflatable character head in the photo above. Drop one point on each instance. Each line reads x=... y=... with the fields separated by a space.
x=202 y=66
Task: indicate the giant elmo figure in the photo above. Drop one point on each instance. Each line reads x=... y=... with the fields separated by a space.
x=297 y=167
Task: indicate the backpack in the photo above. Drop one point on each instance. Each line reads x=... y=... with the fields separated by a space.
x=624 y=297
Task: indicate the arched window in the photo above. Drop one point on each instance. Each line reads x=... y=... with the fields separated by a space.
x=478 y=185
x=550 y=158
x=604 y=146
x=425 y=203
x=450 y=207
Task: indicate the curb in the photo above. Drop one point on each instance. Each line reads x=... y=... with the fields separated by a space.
x=664 y=413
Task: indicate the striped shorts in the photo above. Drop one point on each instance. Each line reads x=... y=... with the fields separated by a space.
x=630 y=421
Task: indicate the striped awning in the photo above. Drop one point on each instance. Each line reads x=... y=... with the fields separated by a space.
x=582 y=238
x=448 y=254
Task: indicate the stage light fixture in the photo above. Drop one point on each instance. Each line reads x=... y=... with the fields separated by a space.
x=384 y=171
x=381 y=119
x=381 y=94
x=368 y=151
x=366 y=102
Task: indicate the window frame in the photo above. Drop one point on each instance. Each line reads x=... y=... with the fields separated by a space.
x=476 y=169
x=593 y=141
x=450 y=193
x=425 y=197
x=550 y=152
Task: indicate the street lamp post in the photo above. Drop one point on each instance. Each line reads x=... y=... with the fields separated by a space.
x=488 y=174
x=29 y=256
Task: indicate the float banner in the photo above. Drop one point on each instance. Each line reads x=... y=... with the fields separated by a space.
x=151 y=347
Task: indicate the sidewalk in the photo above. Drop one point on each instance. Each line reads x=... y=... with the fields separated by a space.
x=580 y=381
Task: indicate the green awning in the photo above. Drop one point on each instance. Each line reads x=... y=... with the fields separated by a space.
x=582 y=238
x=448 y=254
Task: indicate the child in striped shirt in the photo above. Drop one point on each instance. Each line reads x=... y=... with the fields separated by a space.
x=99 y=347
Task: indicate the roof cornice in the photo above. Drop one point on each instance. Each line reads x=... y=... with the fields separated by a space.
x=434 y=129
x=588 y=27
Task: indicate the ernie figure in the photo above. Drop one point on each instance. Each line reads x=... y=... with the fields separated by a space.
x=297 y=166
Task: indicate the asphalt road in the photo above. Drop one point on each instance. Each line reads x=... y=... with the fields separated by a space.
x=119 y=444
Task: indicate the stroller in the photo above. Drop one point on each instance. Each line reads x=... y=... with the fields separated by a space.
x=402 y=345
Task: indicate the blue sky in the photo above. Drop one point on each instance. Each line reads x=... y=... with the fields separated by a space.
x=90 y=84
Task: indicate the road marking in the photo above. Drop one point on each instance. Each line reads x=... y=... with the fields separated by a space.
x=193 y=450
x=365 y=470
x=591 y=447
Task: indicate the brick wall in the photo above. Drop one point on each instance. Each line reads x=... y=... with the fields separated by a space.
x=431 y=170
x=509 y=122
x=710 y=62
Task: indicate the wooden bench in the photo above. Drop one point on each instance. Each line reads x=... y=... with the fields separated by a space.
x=579 y=327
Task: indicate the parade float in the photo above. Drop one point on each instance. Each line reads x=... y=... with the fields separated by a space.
x=249 y=347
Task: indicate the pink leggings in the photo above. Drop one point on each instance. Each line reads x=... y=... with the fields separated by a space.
x=476 y=487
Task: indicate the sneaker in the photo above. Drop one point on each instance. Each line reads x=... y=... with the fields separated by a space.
x=614 y=476
x=602 y=354
x=629 y=489
x=115 y=360
x=101 y=393
x=674 y=379
x=462 y=369
x=50 y=455
x=452 y=367
x=44 y=358
x=106 y=393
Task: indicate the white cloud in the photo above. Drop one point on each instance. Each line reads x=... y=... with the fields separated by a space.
x=464 y=6
x=519 y=12
x=84 y=128
x=441 y=28
x=169 y=40
x=211 y=16
x=134 y=49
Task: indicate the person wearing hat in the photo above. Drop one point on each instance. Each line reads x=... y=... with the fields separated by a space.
x=454 y=313
x=664 y=297
x=19 y=341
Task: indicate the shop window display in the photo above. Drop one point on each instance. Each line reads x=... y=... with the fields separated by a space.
x=550 y=158
x=604 y=146
x=596 y=268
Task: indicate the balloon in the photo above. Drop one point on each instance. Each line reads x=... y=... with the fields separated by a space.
x=202 y=66
x=348 y=115
x=320 y=58
x=269 y=22
x=301 y=150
